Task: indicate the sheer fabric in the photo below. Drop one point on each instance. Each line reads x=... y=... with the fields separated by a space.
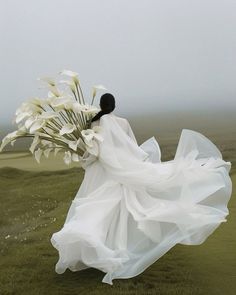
x=131 y=207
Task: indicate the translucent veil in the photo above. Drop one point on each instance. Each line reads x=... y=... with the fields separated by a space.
x=132 y=208
x=140 y=166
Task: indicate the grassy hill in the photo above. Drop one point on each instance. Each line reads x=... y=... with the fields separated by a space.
x=35 y=204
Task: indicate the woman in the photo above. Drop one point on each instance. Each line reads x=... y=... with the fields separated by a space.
x=131 y=208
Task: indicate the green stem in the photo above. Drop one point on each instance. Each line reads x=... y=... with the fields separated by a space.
x=81 y=93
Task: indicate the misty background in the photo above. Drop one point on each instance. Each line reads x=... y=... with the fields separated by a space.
x=169 y=64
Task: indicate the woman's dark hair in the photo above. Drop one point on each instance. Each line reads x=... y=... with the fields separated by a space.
x=107 y=105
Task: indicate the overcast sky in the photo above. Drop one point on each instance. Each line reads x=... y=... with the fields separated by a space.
x=152 y=55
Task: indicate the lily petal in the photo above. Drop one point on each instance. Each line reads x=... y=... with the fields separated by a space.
x=38 y=154
x=47 y=152
x=67 y=157
x=35 y=142
x=67 y=128
x=75 y=157
x=38 y=124
x=68 y=73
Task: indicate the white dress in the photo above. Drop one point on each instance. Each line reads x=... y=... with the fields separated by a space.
x=131 y=208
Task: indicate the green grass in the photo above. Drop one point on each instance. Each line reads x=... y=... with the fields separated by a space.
x=35 y=204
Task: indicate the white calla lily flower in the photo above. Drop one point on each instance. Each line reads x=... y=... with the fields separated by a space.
x=50 y=95
x=48 y=80
x=81 y=144
x=62 y=102
x=48 y=115
x=30 y=121
x=95 y=88
x=37 y=101
x=57 y=150
x=38 y=154
x=97 y=133
x=71 y=84
x=47 y=152
x=93 y=149
x=68 y=73
x=77 y=107
x=89 y=109
x=51 y=130
x=67 y=128
x=73 y=145
x=13 y=142
x=88 y=136
x=26 y=110
x=20 y=117
x=11 y=136
x=54 y=91
x=71 y=74
x=37 y=125
x=75 y=157
x=46 y=142
x=67 y=157
x=35 y=142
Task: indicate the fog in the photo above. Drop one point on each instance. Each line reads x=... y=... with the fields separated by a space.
x=154 y=56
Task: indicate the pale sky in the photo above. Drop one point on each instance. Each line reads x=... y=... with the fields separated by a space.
x=152 y=55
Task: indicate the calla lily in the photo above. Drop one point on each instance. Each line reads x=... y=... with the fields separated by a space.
x=54 y=90
x=81 y=144
x=56 y=151
x=47 y=142
x=13 y=142
x=51 y=132
x=48 y=115
x=73 y=145
x=88 y=136
x=37 y=101
x=30 y=121
x=38 y=124
x=96 y=88
x=26 y=110
x=69 y=83
x=48 y=80
x=21 y=117
x=35 y=142
x=67 y=157
x=71 y=74
x=62 y=103
x=49 y=128
x=75 y=157
x=89 y=109
x=68 y=73
x=11 y=136
x=93 y=149
x=77 y=107
x=67 y=128
x=47 y=152
x=38 y=154
x=97 y=133
x=50 y=95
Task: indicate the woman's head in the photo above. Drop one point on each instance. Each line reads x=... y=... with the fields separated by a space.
x=107 y=105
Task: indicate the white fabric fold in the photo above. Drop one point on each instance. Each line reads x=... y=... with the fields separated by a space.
x=131 y=207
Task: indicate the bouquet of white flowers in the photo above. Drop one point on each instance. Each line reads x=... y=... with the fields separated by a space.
x=61 y=121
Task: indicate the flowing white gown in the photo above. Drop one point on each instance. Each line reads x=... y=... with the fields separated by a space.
x=131 y=208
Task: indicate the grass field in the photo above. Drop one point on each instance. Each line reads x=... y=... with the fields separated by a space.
x=34 y=205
